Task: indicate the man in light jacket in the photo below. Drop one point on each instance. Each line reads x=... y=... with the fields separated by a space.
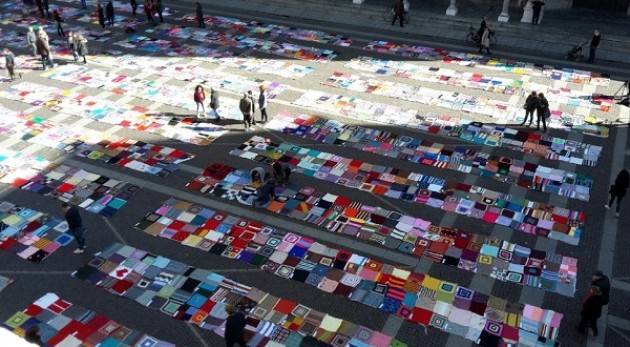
x=262 y=104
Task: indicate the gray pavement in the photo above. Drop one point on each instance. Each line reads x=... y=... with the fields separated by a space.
x=597 y=249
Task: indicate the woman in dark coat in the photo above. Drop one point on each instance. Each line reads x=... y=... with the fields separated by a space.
x=101 y=15
x=618 y=190
x=591 y=310
x=214 y=102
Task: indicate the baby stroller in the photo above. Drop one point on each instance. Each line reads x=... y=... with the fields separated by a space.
x=576 y=53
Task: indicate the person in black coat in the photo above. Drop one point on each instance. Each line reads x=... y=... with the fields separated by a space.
x=134 y=7
x=109 y=12
x=591 y=310
x=75 y=225
x=101 y=15
x=530 y=106
x=537 y=8
x=160 y=10
x=234 y=327
x=618 y=190
x=594 y=43
x=47 y=8
x=40 y=7
x=57 y=18
x=542 y=111
x=214 y=103
x=199 y=12
x=603 y=283
x=399 y=12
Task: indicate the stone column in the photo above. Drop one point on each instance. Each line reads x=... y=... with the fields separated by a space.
x=505 y=15
x=528 y=12
x=452 y=9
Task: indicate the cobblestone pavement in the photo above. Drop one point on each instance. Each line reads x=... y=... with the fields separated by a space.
x=153 y=89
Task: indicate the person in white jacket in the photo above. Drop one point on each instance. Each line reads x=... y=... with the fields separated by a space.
x=262 y=103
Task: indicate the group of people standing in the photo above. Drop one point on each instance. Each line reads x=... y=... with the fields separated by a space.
x=200 y=98
x=538 y=103
x=39 y=44
x=152 y=8
x=247 y=105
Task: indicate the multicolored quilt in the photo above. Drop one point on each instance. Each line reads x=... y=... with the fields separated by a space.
x=504 y=112
x=244 y=42
x=530 y=217
x=136 y=155
x=63 y=324
x=559 y=93
x=95 y=193
x=488 y=256
x=553 y=148
x=199 y=296
x=120 y=113
x=425 y=152
x=273 y=30
x=486 y=62
x=31 y=234
x=417 y=297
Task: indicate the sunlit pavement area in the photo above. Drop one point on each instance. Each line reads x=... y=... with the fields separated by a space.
x=419 y=211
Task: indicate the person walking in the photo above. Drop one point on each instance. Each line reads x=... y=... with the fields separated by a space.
x=235 y=327
x=109 y=11
x=43 y=48
x=603 y=283
x=245 y=105
x=594 y=44
x=214 y=103
x=200 y=97
x=542 y=112
x=618 y=190
x=9 y=63
x=75 y=226
x=399 y=12
x=30 y=40
x=482 y=27
x=40 y=7
x=262 y=103
x=80 y=43
x=199 y=12
x=530 y=107
x=47 y=8
x=84 y=4
x=537 y=8
x=484 y=41
x=591 y=310
x=134 y=7
x=159 y=8
x=57 y=18
x=253 y=102
x=73 y=46
x=148 y=10
x=101 y=15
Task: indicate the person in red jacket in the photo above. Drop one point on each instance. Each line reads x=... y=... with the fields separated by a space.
x=200 y=97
